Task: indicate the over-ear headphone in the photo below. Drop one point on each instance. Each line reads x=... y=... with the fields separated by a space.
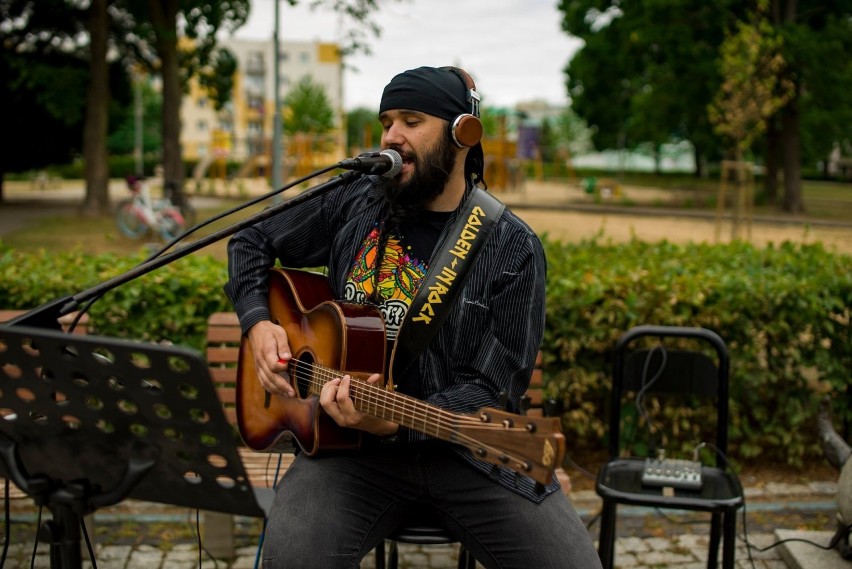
x=466 y=128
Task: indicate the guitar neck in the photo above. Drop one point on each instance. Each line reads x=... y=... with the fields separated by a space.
x=392 y=406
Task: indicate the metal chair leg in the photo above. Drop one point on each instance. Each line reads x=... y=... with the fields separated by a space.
x=606 y=538
x=466 y=560
x=729 y=540
x=380 y=555
x=715 y=539
x=393 y=556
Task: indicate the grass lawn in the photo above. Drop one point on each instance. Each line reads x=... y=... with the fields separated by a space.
x=100 y=235
x=823 y=199
x=64 y=229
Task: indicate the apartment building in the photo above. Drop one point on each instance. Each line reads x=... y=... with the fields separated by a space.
x=243 y=129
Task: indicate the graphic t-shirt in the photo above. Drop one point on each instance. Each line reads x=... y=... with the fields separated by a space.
x=401 y=272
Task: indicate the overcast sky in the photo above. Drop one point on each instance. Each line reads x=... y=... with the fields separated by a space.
x=514 y=49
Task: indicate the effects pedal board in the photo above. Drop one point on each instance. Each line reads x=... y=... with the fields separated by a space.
x=674 y=473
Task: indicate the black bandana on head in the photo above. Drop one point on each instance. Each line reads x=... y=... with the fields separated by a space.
x=437 y=92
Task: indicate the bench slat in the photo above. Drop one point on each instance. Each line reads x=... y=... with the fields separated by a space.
x=223 y=319
x=220 y=355
x=224 y=335
x=223 y=374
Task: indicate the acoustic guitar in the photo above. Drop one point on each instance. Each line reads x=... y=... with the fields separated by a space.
x=330 y=339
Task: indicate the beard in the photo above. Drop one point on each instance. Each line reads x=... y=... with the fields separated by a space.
x=432 y=171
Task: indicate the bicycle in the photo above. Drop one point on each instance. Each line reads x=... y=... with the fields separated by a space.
x=139 y=215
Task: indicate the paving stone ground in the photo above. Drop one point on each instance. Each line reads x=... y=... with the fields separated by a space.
x=139 y=535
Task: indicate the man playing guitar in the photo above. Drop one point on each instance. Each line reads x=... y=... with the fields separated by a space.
x=393 y=244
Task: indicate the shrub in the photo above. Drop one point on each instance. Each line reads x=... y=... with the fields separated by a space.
x=170 y=304
x=783 y=311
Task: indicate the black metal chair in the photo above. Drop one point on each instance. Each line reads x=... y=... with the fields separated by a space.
x=672 y=375
x=424 y=528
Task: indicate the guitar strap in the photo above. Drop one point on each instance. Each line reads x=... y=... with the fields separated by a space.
x=446 y=276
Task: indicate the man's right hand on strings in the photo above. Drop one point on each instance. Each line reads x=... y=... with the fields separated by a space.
x=271 y=352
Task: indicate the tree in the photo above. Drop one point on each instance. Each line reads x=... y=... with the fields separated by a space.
x=122 y=138
x=818 y=51
x=150 y=30
x=156 y=28
x=601 y=93
x=155 y=39
x=41 y=104
x=217 y=77
x=308 y=109
x=363 y=130
x=573 y=132
x=58 y=26
x=665 y=52
x=97 y=111
x=754 y=85
x=646 y=71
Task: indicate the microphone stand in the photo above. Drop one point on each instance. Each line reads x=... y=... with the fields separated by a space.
x=46 y=315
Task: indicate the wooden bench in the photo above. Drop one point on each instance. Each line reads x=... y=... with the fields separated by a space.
x=532 y=403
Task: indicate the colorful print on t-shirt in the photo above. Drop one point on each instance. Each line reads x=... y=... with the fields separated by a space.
x=400 y=276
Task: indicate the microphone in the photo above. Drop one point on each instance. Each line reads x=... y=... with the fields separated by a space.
x=387 y=163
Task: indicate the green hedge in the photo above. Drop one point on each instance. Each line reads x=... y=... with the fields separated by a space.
x=170 y=304
x=784 y=312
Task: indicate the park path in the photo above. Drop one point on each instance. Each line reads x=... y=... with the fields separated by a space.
x=561 y=210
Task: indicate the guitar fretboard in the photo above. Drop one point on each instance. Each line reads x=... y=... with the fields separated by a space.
x=389 y=405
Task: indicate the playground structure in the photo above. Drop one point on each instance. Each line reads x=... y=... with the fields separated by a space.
x=505 y=168
x=302 y=154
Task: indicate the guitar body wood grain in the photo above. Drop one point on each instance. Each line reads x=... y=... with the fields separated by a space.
x=339 y=336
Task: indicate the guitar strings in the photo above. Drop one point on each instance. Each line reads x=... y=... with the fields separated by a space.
x=375 y=394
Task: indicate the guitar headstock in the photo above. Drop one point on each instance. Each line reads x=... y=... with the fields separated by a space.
x=533 y=446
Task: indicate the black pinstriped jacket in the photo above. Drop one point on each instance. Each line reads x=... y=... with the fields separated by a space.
x=487 y=344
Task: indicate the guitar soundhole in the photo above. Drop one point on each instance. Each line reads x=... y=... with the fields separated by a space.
x=303 y=367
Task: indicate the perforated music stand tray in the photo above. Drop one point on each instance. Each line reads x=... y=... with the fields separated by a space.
x=115 y=419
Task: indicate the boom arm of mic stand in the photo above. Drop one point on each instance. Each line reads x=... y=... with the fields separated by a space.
x=46 y=315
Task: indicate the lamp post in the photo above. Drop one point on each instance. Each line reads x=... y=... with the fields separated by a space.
x=277 y=181
x=138 y=123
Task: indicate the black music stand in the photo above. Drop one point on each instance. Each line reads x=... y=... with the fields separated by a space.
x=87 y=421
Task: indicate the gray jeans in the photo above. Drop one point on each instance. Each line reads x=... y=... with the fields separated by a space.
x=331 y=510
